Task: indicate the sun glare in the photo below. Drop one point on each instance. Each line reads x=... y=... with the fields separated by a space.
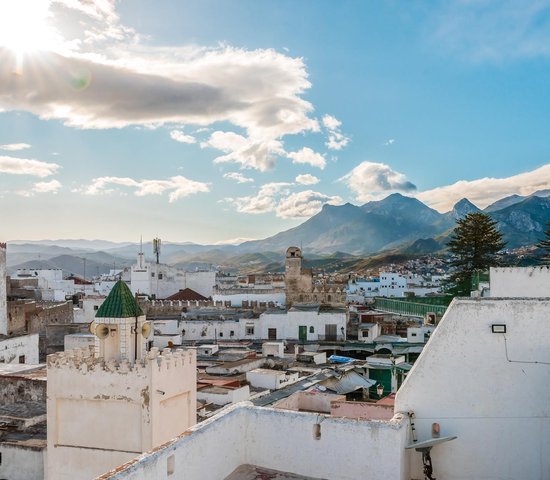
x=24 y=26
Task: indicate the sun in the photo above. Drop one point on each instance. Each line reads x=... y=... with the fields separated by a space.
x=25 y=26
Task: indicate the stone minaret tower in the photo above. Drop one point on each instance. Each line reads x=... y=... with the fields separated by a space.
x=109 y=403
x=3 y=292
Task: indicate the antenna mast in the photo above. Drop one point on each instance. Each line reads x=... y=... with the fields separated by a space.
x=156 y=248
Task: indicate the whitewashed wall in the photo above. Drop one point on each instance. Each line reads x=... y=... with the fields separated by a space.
x=287 y=323
x=13 y=347
x=520 y=282
x=236 y=299
x=279 y=440
x=498 y=409
x=22 y=463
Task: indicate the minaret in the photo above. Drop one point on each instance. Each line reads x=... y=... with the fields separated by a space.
x=3 y=292
x=120 y=324
x=109 y=403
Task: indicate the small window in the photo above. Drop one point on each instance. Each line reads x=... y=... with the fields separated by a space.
x=152 y=274
x=311 y=330
x=221 y=334
x=365 y=333
x=160 y=276
x=250 y=330
x=21 y=358
x=232 y=333
x=170 y=465
x=413 y=334
x=96 y=307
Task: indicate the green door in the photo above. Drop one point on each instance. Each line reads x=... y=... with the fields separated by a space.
x=302 y=333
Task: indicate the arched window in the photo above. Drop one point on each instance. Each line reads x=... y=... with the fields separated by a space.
x=311 y=330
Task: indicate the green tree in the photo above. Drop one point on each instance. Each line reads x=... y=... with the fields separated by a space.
x=544 y=245
x=474 y=245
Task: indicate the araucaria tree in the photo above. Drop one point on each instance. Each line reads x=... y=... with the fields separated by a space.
x=544 y=245
x=474 y=245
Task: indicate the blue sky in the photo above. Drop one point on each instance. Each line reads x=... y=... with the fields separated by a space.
x=208 y=121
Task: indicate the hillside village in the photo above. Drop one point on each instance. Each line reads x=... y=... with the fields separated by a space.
x=301 y=346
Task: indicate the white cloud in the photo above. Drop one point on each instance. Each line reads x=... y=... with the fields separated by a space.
x=370 y=180
x=389 y=142
x=264 y=201
x=336 y=140
x=12 y=147
x=247 y=152
x=493 y=30
x=308 y=156
x=238 y=177
x=330 y=122
x=130 y=83
x=47 y=187
x=304 y=204
x=307 y=179
x=485 y=191
x=25 y=166
x=181 y=137
x=178 y=186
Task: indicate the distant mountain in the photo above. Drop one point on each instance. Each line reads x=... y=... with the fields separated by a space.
x=524 y=223
x=79 y=244
x=503 y=203
x=367 y=229
x=96 y=263
x=462 y=208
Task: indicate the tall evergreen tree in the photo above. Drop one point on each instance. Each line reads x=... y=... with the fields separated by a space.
x=474 y=244
x=544 y=245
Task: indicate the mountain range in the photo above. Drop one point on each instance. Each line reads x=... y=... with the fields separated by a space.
x=396 y=225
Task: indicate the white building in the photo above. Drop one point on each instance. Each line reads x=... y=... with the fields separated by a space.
x=528 y=282
x=50 y=283
x=477 y=397
x=162 y=281
x=19 y=349
x=110 y=403
x=3 y=292
x=271 y=379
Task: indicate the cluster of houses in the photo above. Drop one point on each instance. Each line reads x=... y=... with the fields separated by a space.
x=135 y=386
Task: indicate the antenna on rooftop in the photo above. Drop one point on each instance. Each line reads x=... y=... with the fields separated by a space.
x=156 y=248
x=141 y=244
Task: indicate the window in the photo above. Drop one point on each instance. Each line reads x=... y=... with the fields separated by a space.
x=152 y=274
x=170 y=465
x=21 y=358
x=221 y=334
x=96 y=307
x=365 y=333
x=232 y=333
x=250 y=330
x=311 y=329
x=160 y=276
x=413 y=334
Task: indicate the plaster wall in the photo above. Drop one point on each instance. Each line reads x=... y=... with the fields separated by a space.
x=248 y=295
x=271 y=379
x=240 y=434
x=520 y=282
x=20 y=463
x=497 y=408
x=287 y=324
x=146 y=402
x=309 y=402
x=80 y=340
x=224 y=396
x=12 y=348
x=362 y=410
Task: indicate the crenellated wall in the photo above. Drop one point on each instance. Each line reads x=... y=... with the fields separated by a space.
x=103 y=413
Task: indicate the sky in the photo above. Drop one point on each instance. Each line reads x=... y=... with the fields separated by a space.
x=212 y=121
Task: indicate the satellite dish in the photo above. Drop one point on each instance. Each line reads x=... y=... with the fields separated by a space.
x=146 y=330
x=102 y=331
x=91 y=328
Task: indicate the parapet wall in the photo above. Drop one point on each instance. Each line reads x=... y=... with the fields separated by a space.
x=526 y=282
x=84 y=360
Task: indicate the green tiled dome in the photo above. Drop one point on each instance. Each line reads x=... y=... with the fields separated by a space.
x=119 y=304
